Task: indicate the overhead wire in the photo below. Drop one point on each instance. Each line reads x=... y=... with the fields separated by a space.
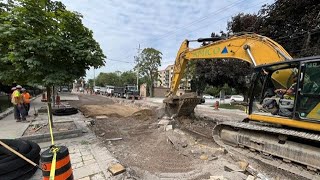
x=170 y=33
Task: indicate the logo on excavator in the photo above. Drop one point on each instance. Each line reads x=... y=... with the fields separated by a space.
x=206 y=52
x=224 y=51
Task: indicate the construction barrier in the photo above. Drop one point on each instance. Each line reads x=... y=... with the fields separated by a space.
x=55 y=161
x=63 y=169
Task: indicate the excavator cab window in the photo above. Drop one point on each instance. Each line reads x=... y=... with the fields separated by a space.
x=270 y=94
x=308 y=104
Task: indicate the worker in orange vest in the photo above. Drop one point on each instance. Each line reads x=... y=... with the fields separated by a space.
x=17 y=101
x=26 y=100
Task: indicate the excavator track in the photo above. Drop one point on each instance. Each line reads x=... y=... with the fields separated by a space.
x=262 y=143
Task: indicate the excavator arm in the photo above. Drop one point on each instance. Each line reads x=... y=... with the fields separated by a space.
x=252 y=48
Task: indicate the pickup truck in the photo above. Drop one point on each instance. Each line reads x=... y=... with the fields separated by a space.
x=107 y=90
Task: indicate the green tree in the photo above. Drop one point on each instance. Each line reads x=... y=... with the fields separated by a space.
x=298 y=32
x=90 y=83
x=148 y=63
x=42 y=42
x=128 y=77
x=104 y=79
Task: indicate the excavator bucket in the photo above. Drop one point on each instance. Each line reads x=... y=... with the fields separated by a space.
x=181 y=105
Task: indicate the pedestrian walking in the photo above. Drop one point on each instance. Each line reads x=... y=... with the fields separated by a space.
x=26 y=100
x=17 y=101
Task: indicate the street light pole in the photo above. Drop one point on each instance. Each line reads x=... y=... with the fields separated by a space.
x=137 y=59
x=94 y=77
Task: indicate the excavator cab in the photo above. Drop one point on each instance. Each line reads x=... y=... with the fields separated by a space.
x=298 y=99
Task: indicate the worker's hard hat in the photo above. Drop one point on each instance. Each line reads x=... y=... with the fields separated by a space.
x=18 y=87
x=23 y=89
x=14 y=88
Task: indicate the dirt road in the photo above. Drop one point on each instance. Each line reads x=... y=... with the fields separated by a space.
x=148 y=151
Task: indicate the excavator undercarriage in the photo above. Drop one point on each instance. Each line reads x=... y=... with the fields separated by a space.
x=287 y=144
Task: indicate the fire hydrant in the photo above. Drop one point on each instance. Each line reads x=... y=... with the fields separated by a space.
x=216 y=105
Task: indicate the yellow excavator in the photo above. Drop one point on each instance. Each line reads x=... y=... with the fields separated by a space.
x=282 y=124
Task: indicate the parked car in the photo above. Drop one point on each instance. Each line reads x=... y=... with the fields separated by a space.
x=64 y=89
x=207 y=96
x=236 y=98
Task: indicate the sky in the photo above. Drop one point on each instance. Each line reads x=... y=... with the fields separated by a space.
x=121 y=25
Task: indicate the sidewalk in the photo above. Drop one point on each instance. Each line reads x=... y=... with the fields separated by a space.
x=10 y=129
x=90 y=159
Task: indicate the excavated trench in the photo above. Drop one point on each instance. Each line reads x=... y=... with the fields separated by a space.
x=148 y=151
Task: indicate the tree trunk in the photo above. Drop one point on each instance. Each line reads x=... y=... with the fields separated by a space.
x=151 y=90
x=53 y=97
x=49 y=105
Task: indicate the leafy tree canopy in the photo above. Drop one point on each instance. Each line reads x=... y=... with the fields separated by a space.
x=148 y=63
x=295 y=24
x=43 y=42
x=116 y=79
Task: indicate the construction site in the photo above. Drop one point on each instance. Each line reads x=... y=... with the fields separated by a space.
x=168 y=90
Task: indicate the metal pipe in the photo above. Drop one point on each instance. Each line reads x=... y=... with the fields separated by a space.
x=247 y=48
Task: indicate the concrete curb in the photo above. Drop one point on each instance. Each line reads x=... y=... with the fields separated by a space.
x=57 y=135
x=6 y=113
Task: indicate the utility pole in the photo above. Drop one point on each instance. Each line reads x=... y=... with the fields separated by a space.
x=94 y=77
x=137 y=60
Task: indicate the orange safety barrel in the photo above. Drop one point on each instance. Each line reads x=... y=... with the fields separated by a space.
x=63 y=164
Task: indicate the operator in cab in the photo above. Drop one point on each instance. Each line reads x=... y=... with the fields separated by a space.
x=290 y=92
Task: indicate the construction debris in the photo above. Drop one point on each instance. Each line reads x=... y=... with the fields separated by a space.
x=116 y=169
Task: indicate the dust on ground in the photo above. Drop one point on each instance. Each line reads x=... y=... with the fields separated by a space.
x=108 y=110
x=36 y=129
x=147 y=148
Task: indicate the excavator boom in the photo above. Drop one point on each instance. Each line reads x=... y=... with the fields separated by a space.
x=251 y=48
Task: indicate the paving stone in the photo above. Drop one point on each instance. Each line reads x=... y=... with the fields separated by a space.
x=75 y=159
x=77 y=165
x=98 y=176
x=116 y=169
x=250 y=177
x=86 y=171
x=87 y=157
x=243 y=165
x=86 y=152
x=89 y=162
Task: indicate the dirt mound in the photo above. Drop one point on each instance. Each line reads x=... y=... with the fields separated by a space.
x=114 y=110
x=144 y=114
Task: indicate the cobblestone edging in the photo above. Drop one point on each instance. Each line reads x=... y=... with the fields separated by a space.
x=57 y=135
x=6 y=113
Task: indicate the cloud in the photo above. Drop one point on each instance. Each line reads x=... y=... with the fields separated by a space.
x=120 y=26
